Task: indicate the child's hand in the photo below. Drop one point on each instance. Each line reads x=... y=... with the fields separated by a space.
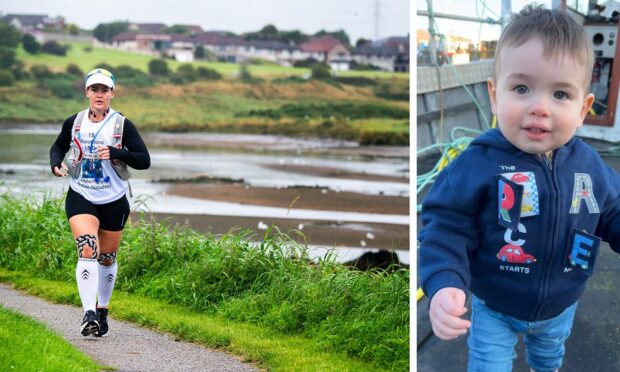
x=447 y=306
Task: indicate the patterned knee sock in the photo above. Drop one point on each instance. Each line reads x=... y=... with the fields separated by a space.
x=87 y=277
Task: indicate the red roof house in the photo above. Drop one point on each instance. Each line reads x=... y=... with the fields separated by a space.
x=329 y=50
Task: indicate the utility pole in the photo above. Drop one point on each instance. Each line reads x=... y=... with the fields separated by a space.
x=506 y=12
x=431 y=33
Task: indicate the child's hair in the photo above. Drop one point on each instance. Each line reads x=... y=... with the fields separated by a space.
x=560 y=35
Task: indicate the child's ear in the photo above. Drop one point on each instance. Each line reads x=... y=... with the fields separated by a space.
x=492 y=95
x=587 y=103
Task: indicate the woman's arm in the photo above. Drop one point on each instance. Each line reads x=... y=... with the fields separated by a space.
x=134 y=152
x=62 y=144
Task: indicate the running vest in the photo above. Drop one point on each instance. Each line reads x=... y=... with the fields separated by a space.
x=99 y=181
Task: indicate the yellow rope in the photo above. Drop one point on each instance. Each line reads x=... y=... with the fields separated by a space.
x=450 y=155
x=420 y=294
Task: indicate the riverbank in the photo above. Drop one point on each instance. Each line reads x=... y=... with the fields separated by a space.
x=363 y=315
x=328 y=233
x=295 y=198
x=216 y=182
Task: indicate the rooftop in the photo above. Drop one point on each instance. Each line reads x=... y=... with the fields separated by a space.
x=320 y=44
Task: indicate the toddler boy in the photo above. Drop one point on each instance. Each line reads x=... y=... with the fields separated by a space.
x=518 y=217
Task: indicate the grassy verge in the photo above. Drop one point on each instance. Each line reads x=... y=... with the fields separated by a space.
x=27 y=345
x=254 y=344
x=265 y=301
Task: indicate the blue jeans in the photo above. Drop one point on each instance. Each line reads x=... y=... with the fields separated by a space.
x=493 y=336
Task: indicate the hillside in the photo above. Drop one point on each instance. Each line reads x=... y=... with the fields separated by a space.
x=371 y=107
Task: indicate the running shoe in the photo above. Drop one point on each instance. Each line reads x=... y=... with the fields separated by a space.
x=90 y=325
x=102 y=317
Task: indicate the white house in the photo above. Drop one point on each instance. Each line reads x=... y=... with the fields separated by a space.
x=391 y=54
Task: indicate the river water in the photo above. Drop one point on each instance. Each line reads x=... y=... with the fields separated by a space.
x=24 y=170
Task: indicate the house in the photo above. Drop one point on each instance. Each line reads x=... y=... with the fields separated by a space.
x=125 y=41
x=391 y=54
x=328 y=50
x=454 y=47
x=32 y=22
x=193 y=29
x=142 y=43
x=181 y=47
x=223 y=47
x=273 y=51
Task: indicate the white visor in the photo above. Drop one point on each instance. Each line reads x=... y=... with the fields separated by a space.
x=100 y=78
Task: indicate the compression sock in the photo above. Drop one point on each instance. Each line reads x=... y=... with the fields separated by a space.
x=87 y=277
x=107 y=278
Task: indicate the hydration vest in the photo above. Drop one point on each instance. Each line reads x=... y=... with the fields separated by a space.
x=76 y=154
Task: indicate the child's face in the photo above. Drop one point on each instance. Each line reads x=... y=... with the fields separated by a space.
x=539 y=102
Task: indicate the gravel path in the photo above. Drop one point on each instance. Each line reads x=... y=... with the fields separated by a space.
x=128 y=347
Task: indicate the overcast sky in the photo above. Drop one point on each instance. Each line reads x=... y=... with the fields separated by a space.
x=356 y=17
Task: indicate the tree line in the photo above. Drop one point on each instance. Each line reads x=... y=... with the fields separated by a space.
x=105 y=32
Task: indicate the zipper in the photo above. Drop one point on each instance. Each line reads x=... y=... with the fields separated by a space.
x=548 y=162
x=548 y=252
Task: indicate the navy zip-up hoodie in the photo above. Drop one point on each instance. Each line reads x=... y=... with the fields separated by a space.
x=519 y=230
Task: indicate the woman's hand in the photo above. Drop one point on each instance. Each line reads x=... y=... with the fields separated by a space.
x=103 y=152
x=62 y=171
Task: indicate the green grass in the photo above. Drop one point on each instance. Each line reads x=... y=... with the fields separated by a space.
x=228 y=282
x=374 y=74
x=25 y=103
x=86 y=60
x=254 y=344
x=333 y=110
x=26 y=345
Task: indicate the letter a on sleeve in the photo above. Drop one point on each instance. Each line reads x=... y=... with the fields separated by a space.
x=582 y=191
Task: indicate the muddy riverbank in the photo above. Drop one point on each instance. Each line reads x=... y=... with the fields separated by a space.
x=317 y=232
x=295 y=198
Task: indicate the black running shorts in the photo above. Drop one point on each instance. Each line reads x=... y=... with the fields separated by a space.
x=112 y=216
